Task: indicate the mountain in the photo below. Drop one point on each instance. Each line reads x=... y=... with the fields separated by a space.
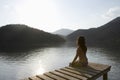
x=18 y=35
x=63 y=32
x=107 y=35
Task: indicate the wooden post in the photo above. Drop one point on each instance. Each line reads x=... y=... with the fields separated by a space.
x=105 y=77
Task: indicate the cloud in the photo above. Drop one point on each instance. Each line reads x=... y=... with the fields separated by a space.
x=112 y=13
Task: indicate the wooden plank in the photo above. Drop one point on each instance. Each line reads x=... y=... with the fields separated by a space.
x=34 y=78
x=100 y=67
x=54 y=76
x=88 y=69
x=82 y=71
x=64 y=76
x=77 y=72
x=43 y=77
x=72 y=75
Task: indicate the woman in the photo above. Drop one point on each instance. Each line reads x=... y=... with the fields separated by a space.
x=80 y=54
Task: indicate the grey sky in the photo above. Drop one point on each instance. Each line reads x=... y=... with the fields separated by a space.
x=50 y=15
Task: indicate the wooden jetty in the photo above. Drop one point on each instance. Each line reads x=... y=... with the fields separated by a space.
x=91 y=72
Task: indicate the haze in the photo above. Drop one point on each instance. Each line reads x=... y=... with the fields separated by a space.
x=51 y=15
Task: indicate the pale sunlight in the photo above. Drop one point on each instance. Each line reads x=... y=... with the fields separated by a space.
x=35 y=12
x=39 y=70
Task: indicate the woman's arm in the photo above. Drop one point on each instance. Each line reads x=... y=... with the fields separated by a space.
x=75 y=58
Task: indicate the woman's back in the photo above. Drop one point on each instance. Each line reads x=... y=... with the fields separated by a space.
x=82 y=54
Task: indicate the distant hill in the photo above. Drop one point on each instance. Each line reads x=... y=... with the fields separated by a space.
x=17 y=36
x=107 y=35
x=63 y=32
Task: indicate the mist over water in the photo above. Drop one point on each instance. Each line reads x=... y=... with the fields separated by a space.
x=20 y=65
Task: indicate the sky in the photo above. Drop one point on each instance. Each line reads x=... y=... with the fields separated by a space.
x=52 y=15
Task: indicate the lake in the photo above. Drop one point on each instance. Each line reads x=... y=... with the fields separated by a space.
x=19 y=65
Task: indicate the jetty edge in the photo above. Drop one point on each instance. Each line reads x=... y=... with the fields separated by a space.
x=91 y=72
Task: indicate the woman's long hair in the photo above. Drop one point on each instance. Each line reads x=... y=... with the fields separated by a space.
x=81 y=43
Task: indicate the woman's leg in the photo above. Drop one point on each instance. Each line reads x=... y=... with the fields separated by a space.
x=78 y=64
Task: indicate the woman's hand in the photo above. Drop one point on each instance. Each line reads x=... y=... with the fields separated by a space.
x=71 y=64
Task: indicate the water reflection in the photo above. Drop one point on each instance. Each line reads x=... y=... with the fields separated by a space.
x=35 y=62
x=39 y=70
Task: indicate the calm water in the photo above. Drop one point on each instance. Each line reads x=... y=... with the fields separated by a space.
x=15 y=66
